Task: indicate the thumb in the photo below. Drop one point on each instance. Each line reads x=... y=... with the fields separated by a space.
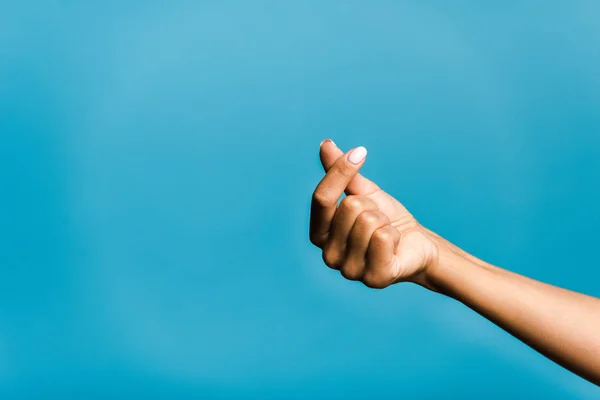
x=359 y=185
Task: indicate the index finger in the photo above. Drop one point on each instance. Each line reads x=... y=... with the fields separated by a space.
x=329 y=190
x=359 y=185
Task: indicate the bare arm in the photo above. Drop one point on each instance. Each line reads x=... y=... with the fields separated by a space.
x=372 y=238
x=561 y=324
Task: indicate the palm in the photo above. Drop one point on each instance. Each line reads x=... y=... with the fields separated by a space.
x=395 y=211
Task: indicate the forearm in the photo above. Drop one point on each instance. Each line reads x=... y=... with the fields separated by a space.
x=561 y=324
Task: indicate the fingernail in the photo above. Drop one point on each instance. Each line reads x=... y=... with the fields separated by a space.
x=357 y=155
x=326 y=141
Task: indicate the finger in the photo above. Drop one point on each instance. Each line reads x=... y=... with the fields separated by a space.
x=329 y=190
x=350 y=208
x=358 y=242
x=380 y=269
x=360 y=185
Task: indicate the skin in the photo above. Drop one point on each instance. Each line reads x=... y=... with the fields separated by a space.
x=371 y=237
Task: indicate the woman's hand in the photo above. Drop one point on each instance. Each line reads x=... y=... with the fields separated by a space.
x=370 y=237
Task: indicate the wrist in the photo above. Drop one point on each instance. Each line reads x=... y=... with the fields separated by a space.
x=448 y=259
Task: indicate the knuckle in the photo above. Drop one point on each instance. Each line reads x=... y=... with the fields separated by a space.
x=351 y=272
x=374 y=281
x=315 y=239
x=320 y=197
x=350 y=275
x=382 y=235
x=331 y=258
x=369 y=217
x=352 y=202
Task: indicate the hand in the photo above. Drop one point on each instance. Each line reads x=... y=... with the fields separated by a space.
x=370 y=237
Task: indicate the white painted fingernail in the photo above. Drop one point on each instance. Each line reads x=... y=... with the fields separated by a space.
x=321 y=144
x=357 y=155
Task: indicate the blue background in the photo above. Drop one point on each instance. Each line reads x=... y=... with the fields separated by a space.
x=156 y=166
